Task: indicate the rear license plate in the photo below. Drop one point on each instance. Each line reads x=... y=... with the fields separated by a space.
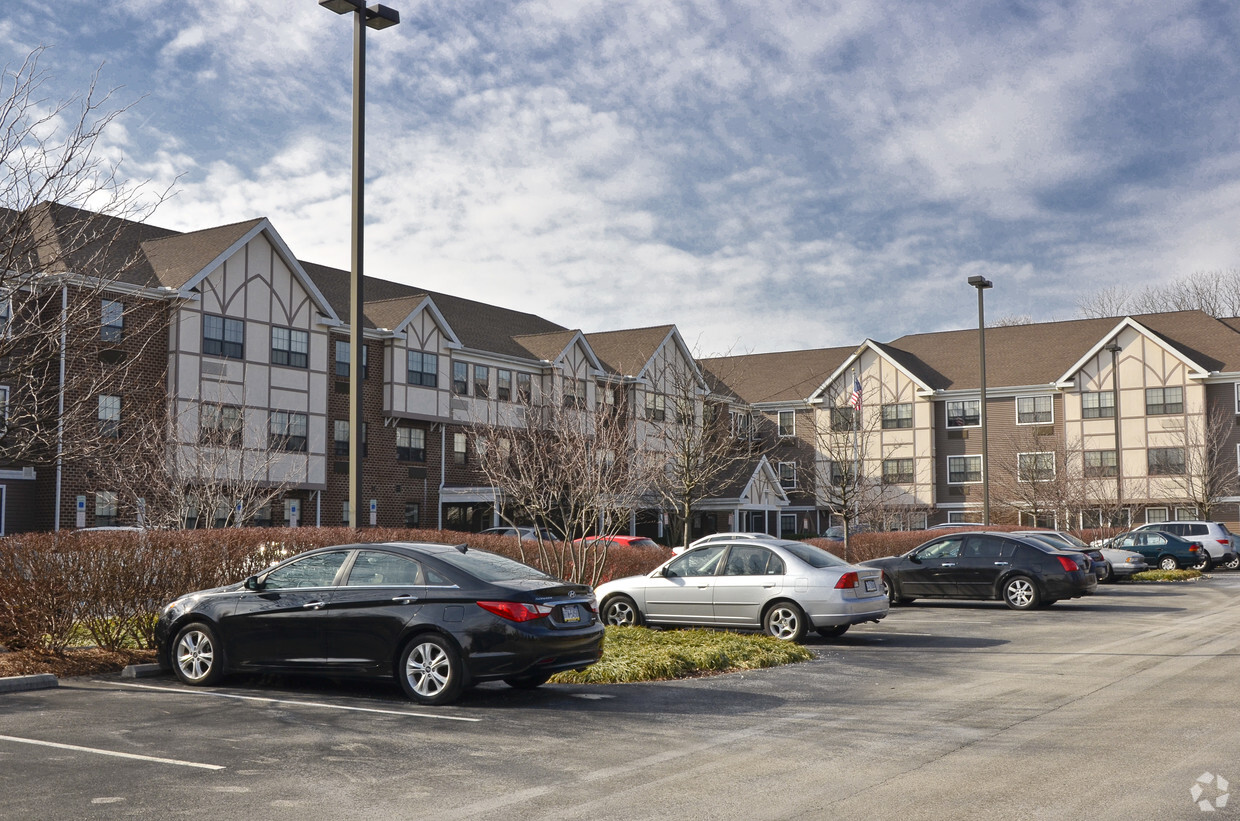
x=871 y=586
x=570 y=613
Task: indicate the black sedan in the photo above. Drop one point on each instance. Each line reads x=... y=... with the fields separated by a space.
x=1021 y=571
x=438 y=618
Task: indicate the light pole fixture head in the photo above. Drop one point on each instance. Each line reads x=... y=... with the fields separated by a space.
x=342 y=6
x=377 y=16
x=1113 y=347
x=980 y=282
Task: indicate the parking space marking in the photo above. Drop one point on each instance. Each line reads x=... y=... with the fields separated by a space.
x=266 y=700
x=115 y=754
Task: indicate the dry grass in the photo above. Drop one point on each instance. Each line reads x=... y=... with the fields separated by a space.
x=80 y=661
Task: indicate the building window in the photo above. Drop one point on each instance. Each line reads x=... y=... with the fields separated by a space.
x=106 y=509
x=290 y=347
x=837 y=473
x=112 y=321
x=413 y=514
x=1185 y=514
x=220 y=426
x=344 y=513
x=787 y=423
x=4 y=407
x=343 y=358
x=1035 y=467
x=1165 y=461
x=1163 y=400
x=898 y=416
x=460 y=378
x=411 y=444
x=340 y=437
x=656 y=406
x=482 y=381
x=6 y=317
x=503 y=385
x=964 y=470
x=574 y=392
x=423 y=369
x=459 y=449
x=222 y=336
x=788 y=475
x=1035 y=410
x=1097 y=404
x=843 y=418
x=110 y=416
x=742 y=424
x=897 y=471
x=525 y=394
x=964 y=413
x=289 y=431
x=1100 y=463
x=1156 y=515
x=1237 y=386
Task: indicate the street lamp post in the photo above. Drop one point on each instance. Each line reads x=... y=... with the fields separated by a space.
x=981 y=284
x=375 y=17
x=1113 y=349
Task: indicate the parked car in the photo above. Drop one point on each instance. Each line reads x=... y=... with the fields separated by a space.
x=836 y=532
x=715 y=538
x=1165 y=551
x=1218 y=541
x=621 y=541
x=1097 y=562
x=525 y=534
x=1124 y=563
x=437 y=618
x=784 y=588
x=1021 y=571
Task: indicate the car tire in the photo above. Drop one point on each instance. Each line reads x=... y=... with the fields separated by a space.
x=1020 y=593
x=621 y=611
x=1168 y=563
x=1232 y=563
x=785 y=620
x=1203 y=565
x=197 y=655
x=833 y=632
x=430 y=670
x=529 y=681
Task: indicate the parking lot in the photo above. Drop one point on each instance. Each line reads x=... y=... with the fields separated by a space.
x=1107 y=707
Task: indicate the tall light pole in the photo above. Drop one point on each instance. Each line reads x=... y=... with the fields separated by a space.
x=375 y=17
x=1113 y=349
x=981 y=284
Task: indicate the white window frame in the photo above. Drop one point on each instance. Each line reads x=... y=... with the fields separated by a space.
x=4 y=407
x=1185 y=514
x=1236 y=385
x=6 y=321
x=783 y=520
x=1049 y=396
x=958 y=517
x=1054 y=467
x=918 y=521
x=948 y=416
x=981 y=472
x=780 y=473
x=791 y=428
x=1166 y=516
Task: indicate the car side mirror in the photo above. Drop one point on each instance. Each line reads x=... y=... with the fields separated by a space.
x=915 y=559
x=252 y=583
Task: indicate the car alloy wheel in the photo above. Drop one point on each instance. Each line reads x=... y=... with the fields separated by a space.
x=196 y=655
x=1020 y=593
x=1232 y=563
x=784 y=620
x=1168 y=563
x=621 y=611
x=431 y=671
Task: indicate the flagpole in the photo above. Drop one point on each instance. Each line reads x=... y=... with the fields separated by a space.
x=856 y=443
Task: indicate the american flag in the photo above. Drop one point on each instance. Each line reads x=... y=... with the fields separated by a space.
x=855 y=399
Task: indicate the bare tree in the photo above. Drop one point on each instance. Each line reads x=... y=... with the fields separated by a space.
x=1209 y=473
x=575 y=472
x=1215 y=292
x=1010 y=320
x=63 y=250
x=1111 y=301
x=1032 y=477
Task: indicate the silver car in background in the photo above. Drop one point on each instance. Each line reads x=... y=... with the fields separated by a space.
x=783 y=588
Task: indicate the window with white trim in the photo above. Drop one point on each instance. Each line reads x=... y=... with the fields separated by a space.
x=460 y=448
x=787 y=423
x=656 y=406
x=787 y=523
x=110 y=416
x=1186 y=514
x=1035 y=410
x=788 y=475
x=1156 y=515
x=111 y=320
x=1035 y=467
x=964 y=413
x=6 y=318
x=106 y=509
x=964 y=470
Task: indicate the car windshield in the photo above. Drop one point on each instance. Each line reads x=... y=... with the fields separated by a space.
x=491 y=567
x=813 y=556
x=643 y=543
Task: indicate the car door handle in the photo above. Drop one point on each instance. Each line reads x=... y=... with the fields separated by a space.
x=1001 y=564
x=768 y=586
x=314 y=605
x=948 y=564
x=406 y=599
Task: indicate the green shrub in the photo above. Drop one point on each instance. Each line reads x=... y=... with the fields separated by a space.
x=1165 y=576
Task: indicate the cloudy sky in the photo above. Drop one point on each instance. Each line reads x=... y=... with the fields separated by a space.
x=768 y=175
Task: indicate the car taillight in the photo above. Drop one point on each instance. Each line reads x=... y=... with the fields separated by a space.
x=849 y=579
x=1068 y=564
x=515 y=611
x=1193 y=548
x=1224 y=541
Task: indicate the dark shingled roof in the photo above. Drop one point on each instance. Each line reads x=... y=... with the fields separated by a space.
x=627 y=352
x=775 y=377
x=176 y=259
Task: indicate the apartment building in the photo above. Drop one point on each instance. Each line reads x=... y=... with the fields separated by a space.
x=247 y=350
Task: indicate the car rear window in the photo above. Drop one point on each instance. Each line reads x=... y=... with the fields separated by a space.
x=813 y=556
x=490 y=567
x=643 y=543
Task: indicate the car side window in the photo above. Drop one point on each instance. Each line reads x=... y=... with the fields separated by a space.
x=1197 y=530
x=752 y=561
x=1155 y=538
x=374 y=568
x=988 y=547
x=312 y=571
x=704 y=561
x=942 y=549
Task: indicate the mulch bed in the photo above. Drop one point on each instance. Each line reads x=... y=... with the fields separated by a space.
x=80 y=661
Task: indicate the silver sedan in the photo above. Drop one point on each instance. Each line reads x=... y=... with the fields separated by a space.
x=784 y=588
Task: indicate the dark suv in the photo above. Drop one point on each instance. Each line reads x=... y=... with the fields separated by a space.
x=1021 y=571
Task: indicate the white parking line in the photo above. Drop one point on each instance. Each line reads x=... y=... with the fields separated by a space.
x=286 y=701
x=113 y=753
